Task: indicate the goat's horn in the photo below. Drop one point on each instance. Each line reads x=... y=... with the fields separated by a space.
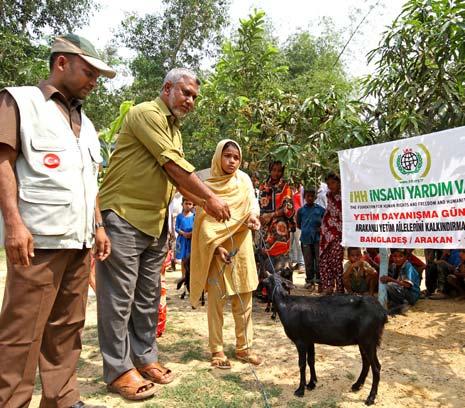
x=267 y=274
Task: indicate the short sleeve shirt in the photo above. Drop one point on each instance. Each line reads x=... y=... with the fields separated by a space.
x=136 y=186
x=10 y=118
x=309 y=218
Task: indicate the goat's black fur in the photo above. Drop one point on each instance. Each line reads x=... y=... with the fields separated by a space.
x=285 y=270
x=336 y=320
x=186 y=280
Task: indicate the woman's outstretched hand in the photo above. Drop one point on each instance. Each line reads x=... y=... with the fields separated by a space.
x=253 y=222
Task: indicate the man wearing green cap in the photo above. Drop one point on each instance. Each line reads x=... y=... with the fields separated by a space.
x=49 y=161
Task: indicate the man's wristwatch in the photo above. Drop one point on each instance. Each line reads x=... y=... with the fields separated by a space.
x=99 y=225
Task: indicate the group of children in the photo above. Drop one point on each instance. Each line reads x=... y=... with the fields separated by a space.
x=445 y=270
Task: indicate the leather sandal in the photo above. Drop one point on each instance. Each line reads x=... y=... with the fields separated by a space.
x=221 y=362
x=249 y=357
x=156 y=373
x=132 y=386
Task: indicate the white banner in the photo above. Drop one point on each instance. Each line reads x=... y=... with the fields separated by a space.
x=409 y=193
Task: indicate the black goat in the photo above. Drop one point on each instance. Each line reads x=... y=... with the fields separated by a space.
x=186 y=281
x=285 y=270
x=336 y=320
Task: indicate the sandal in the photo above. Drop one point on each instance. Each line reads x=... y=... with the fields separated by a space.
x=132 y=386
x=156 y=373
x=248 y=357
x=221 y=362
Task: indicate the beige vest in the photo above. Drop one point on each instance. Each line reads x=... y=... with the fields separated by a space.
x=56 y=173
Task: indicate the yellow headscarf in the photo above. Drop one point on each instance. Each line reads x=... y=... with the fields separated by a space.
x=208 y=233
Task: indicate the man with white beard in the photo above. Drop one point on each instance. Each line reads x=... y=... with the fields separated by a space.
x=146 y=168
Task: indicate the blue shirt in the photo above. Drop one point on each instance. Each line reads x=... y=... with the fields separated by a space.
x=309 y=220
x=409 y=274
x=453 y=258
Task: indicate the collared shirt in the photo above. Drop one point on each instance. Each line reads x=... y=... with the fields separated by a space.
x=309 y=219
x=10 y=120
x=136 y=186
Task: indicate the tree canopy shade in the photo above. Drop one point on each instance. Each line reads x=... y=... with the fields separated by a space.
x=291 y=101
x=184 y=34
x=23 y=59
x=419 y=82
x=21 y=62
x=259 y=93
x=30 y=17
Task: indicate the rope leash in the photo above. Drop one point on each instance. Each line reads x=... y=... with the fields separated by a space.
x=232 y=254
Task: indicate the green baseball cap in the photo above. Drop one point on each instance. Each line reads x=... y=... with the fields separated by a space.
x=75 y=44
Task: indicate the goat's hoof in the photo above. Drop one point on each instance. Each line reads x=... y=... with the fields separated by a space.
x=356 y=387
x=370 y=401
x=267 y=309
x=183 y=296
x=299 y=392
x=311 y=385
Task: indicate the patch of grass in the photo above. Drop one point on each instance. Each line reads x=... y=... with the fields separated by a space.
x=296 y=404
x=98 y=379
x=90 y=336
x=193 y=354
x=180 y=346
x=207 y=391
x=235 y=378
x=171 y=330
x=230 y=350
x=37 y=384
x=331 y=403
x=273 y=391
x=81 y=363
x=350 y=376
x=153 y=405
x=102 y=392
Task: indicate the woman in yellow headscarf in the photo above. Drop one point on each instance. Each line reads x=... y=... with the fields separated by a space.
x=222 y=257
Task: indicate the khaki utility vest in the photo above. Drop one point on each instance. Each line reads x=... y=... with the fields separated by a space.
x=56 y=173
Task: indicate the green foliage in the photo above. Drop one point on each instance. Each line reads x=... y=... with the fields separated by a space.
x=182 y=35
x=21 y=62
x=108 y=136
x=254 y=98
x=312 y=61
x=419 y=83
x=103 y=103
x=244 y=83
x=31 y=18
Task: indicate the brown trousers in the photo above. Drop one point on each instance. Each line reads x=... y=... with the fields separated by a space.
x=41 y=321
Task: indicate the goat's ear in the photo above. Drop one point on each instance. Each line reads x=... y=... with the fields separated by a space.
x=287 y=284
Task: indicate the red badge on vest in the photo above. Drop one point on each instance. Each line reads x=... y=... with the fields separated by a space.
x=51 y=160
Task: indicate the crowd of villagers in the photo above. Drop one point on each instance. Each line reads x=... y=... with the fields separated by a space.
x=301 y=228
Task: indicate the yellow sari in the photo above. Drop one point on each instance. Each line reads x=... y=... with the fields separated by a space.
x=241 y=275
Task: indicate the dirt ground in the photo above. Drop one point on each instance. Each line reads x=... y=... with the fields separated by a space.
x=422 y=357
